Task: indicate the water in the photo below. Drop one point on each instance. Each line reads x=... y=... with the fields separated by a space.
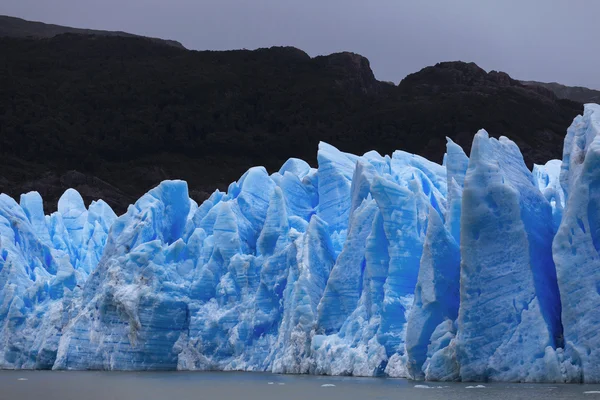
x=58 y=385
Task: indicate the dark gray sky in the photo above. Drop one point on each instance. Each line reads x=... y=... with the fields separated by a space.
x=545 y=40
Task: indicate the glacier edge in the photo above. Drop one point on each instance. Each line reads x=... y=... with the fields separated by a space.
x=476 y=270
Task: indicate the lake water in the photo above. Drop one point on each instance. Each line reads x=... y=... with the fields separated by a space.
x=58 y=385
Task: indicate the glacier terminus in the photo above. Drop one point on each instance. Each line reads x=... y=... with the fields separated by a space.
x=475 y=270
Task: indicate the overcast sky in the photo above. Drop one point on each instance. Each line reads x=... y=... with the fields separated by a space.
x=545 y=40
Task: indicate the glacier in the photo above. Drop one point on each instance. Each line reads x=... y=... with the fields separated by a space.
x=475 y=270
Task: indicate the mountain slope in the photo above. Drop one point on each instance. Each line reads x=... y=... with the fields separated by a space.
x=575 y=93
x=17 y=27
x=128 y=113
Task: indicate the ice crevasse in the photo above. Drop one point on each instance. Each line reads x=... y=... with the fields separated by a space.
x=476 y=270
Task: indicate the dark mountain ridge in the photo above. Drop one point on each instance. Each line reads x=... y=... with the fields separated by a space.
x=575 y=93
x=113 y=116
x=17 y=27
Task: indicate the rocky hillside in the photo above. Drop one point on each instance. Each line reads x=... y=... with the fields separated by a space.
x=575 y=93
x=17 y=27
x=112 y=116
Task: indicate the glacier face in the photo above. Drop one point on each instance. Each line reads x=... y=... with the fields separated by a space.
x=509 y=304
x=475 y=270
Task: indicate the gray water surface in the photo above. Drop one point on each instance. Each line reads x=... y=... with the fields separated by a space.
x=71 y=385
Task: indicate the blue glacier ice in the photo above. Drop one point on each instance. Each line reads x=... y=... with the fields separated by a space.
x=435 y=308
x=576 y=246
x=477 y=269
x=547 y=179
x=509 y=319
x=44 y=265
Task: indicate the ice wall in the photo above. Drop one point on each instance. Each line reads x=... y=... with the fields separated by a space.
x=475 y=270
x=509 y=303
x=577 y=244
